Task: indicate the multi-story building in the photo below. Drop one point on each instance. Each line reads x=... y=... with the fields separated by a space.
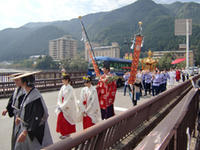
x=177 y=54
x=109 y=51
x=62 y=48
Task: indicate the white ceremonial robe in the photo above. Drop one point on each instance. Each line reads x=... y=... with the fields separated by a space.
x=68 y=106
x=89 y=104
x=172 y=75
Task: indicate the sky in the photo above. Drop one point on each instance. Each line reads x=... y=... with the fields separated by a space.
x=15 y=13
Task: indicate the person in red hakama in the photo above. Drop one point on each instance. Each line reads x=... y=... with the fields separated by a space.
x=106 y=89
x=89 y=104
x=178 y=75
x=66 y=108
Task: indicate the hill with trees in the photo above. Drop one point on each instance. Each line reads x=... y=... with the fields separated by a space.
x=118 y=25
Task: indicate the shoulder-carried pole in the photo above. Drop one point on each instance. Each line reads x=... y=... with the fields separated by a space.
x=89 y=48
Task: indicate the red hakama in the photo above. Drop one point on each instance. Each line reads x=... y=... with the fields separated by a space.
x=63 y=126
x=178 y=75
x=87 y=122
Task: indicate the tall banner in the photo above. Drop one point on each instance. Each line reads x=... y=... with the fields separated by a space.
x=89 y=48
x=136 y=56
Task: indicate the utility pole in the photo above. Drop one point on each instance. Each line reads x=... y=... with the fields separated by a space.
x=187 y=44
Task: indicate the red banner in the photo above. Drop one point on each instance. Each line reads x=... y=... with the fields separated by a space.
x=135 y=61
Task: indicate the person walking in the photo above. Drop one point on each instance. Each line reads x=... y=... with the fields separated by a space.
x=33 y=133
x=13 y=106
x=106 y=89
x=89 y=104
x=66 y=108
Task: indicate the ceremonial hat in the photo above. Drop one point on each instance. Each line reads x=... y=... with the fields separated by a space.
x=87 y=79
x=65 y=76
x=12 y=76
x=26 y=74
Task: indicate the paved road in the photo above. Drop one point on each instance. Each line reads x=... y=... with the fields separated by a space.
x=122 y=103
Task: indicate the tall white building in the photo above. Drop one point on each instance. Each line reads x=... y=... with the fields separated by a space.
x=64 y=47
x=109 y=51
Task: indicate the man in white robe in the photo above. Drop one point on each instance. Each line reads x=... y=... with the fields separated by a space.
x=172 y=76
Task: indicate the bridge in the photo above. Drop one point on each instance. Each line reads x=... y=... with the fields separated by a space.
x=159 y=122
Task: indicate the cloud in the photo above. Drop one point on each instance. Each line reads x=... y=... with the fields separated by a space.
x=15 y=13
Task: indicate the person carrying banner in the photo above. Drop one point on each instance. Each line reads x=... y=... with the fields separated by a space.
x=106 y=89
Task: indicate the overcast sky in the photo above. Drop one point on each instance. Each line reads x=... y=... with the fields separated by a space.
x=15 y=13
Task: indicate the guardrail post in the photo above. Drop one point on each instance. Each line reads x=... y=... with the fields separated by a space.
x=3 y=86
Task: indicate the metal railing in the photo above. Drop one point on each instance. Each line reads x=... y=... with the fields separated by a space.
x=110 y=133
x=45 y=81
x=170 y=133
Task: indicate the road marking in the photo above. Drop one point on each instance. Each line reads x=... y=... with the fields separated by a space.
x=120 y=108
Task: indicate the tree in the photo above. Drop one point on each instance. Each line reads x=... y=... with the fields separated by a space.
x=165 y=61
x=46 y=63
x=75 y=64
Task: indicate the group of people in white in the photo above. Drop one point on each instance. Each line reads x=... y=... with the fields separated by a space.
x=70 y=110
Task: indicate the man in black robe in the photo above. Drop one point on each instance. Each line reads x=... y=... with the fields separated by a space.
x=34 y=133
x=13 y=106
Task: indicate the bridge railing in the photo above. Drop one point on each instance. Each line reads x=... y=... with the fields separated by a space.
x=171 y=132
x=4 y=77
x=109 y=133
x=45 y=81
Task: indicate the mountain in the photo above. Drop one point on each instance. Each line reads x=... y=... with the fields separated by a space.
x=172 y=1
x=185 y=10
x=105 y=27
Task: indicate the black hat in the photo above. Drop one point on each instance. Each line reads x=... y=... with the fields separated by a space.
x=106 y=65
x=87 y=79
x=65 y=76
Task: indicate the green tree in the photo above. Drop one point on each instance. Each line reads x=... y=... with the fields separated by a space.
x=46 y=63
x=75 y=64
x=165 y=61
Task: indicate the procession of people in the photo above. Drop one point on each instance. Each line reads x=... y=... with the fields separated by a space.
x=153 y=82
x=30 y=113
x=96 y=103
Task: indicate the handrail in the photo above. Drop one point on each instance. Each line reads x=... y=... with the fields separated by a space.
x=105 y=134
x=161 y=136
x=44 y=85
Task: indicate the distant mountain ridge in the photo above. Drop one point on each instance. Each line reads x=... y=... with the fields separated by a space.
x=105 y=27
x=173 y=1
